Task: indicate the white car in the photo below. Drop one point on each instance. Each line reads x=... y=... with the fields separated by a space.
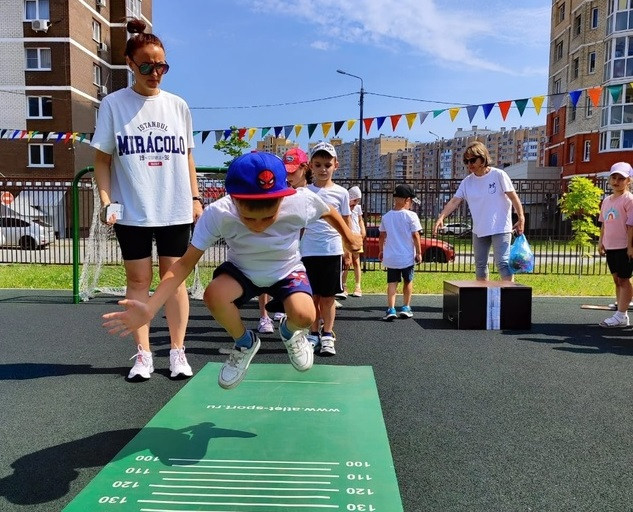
x=25 y=233
x=456 y=228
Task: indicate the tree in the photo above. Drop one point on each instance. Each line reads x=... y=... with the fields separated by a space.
x=581 y=203
x=233 y=145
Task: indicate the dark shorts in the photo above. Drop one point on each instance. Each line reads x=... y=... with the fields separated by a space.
x=293 y=283
x=619 y=263
x=324 y=273
x=136 y=241
x=395 y=274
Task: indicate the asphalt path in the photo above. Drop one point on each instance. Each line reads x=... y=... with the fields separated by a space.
x=536 y=420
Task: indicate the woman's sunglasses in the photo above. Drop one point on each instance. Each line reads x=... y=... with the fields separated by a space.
x=147 y=68
x=470 y=161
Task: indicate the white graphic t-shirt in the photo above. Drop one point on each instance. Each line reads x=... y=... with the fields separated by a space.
x=265 y=257
x=399 y=248
x=490 y=207
x=148 y=138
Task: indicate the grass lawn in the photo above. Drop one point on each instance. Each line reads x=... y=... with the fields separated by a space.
x=46 y=277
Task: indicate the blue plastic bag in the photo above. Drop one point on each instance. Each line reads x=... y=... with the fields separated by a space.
x=521 y=256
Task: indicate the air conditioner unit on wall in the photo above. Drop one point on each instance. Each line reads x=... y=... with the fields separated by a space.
x=101 y=3
x=40 y=25
x=102 y=47
x=102 y=91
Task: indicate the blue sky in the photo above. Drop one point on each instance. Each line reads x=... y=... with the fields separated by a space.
x=279 y=59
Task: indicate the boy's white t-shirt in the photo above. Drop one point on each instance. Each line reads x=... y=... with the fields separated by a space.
x=490 y=207
x=357 y=213
x=319 y=238
x=266 y=257
x=399 y=248
x=616 y=213
x=148 y=138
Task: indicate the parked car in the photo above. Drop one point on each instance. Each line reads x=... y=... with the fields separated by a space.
x=25 y=233
x=457 y=229
x=432 y=248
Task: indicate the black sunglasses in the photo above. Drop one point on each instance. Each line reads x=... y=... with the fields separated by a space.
x=471 y=160
x=147 y=68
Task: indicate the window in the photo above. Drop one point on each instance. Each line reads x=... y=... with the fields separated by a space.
x=96 y=74
x=96 y=31
x=575 y=68
x=36 y=10
x=577 y=25
x=556 y=125
x=572 y=150
x=560 y=13
x=588 y=107
x=591 y=62
x=38 y=59
x=40 y=155
x=133 y=8
x=594 y=18
x=558 y=51
x=586 y=152
x=572 y=114
x=557 y=86
x=39 y=106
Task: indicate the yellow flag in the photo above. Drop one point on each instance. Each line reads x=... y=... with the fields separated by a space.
x=351 y=123
x=411 y=118
x=538 y=103
x=326 y=128
x=453 y=112
x=298 y=129
x=251 y=132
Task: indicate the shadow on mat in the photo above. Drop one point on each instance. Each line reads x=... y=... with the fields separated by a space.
x=25 y=371
x=583 y=339
x=46 y=475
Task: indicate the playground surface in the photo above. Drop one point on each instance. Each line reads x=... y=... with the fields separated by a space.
x=475 y=420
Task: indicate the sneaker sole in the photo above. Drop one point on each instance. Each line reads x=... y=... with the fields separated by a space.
x=617 y=326
x=231 y=385
x=327 y=352
x=309 y=364
x=405 y=315
x=181 y=375
x=389 y=318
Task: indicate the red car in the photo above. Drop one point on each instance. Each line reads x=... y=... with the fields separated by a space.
x=432 y=248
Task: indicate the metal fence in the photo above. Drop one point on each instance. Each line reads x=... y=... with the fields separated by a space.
x=50 y=203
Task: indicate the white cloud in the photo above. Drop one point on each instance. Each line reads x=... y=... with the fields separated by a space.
x=321 y=45
x=476 y=34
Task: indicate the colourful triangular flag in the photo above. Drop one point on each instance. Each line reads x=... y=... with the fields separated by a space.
x=337 y=126
x=453 y=111
x=351 y=123
x=265 y=130
x=487 y=108
x=325 y=127
x=504 y=107
x=594 y=94
x=472 y=110
x=411 y=118
x=368 y=121
x=538 y=103
x=395 y=119
x=379 y=122
x=574 y=96
x=251 y=133
x=616 y=92
x=205 y=134
x=423 y=116
x=311 y=128
x=278 y=130
x=556 y=100
x=218 y=135
x=521 y=104
x=438 y=112
x=227 y=134
x=288 y=130
x=298 y=128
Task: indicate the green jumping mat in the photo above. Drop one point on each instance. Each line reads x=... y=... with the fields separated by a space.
x=313 y=441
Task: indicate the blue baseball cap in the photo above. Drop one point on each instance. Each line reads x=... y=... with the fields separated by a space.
x=257 y=175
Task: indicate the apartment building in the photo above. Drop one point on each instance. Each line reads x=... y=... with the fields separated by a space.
x=591 y=46
x=60 y=57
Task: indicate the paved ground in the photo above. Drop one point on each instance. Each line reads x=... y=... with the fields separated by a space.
x=535 y=420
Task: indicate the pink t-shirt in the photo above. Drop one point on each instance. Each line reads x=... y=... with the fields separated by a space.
x=616 y=213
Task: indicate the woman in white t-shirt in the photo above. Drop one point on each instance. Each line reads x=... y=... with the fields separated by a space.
x=144 y=162
x=490 y=196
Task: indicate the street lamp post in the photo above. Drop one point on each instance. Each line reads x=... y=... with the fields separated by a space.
x=438 y=152
x=360 y=128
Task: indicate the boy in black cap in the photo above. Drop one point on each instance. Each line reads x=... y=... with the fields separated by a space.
x=399 y=249
x=260 y=220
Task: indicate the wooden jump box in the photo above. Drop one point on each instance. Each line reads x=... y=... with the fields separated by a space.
x=487 y=305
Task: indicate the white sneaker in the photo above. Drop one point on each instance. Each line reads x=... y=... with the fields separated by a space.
x=341 y=295
x=178 y=364
x=143 y=366
x=327 y=345
x=279 y=317
x=615 y=321
x=337 y=304
x=300 y=350
x=265 y=325
x=234 y=369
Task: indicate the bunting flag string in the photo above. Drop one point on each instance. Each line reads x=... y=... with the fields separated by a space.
x=555 y=102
